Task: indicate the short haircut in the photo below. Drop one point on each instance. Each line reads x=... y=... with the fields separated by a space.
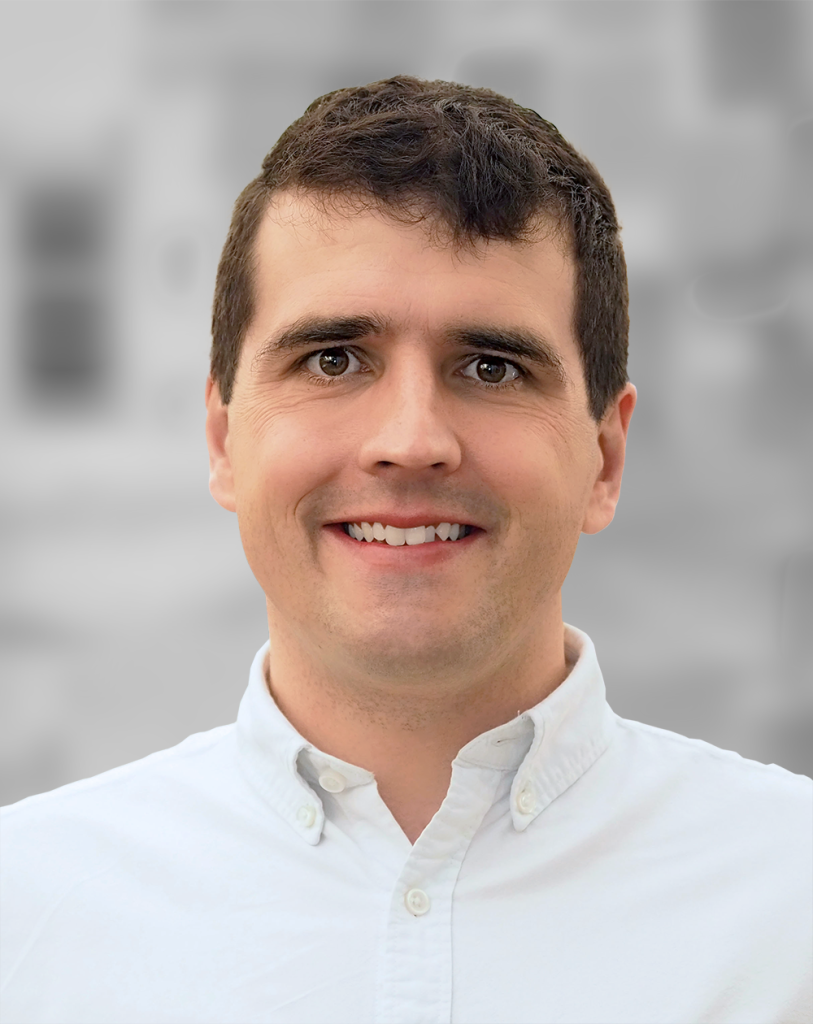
x=477 y=164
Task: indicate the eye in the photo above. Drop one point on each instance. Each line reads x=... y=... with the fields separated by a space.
x=331 y=362
x=492 y=370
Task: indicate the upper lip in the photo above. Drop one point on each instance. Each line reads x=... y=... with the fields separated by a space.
x=406 y=522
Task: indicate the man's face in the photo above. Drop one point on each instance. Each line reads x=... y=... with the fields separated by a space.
x=372 y=387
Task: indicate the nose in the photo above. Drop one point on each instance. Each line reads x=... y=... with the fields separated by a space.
x=407 y=423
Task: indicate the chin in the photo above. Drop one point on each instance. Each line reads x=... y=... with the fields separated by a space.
x=419 y=653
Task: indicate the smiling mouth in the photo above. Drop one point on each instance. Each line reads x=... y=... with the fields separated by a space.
x=394 y=536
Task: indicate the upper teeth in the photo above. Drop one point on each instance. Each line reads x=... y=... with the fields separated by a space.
x=396 y=536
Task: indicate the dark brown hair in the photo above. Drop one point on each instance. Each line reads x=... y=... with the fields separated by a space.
x=476 y=164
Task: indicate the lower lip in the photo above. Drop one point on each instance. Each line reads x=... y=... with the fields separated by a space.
x=406 y=556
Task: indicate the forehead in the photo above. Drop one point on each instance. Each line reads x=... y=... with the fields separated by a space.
x=314 y=258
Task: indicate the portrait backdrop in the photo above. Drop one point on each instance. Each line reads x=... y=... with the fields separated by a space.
x=128 y=615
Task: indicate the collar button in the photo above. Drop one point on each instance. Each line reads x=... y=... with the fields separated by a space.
x=332 y=782
x=526 y=800
x=306 y=815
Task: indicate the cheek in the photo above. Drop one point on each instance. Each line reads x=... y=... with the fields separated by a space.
x=541 y=470
x=282 y=452
x=529 y=460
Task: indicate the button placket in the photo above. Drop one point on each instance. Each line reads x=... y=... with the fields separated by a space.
x=418 y=936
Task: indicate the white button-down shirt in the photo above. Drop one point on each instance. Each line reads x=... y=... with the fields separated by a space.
x=582 y=868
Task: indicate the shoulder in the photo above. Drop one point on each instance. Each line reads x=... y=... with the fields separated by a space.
x=726 y=831
x=720 y=788
x=742 y=827
x=51 y=841
x=131 y=776
x=88 y=843
x=674 y=749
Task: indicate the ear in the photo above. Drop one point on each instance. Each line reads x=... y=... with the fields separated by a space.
x=221 y=477
x=612 y=445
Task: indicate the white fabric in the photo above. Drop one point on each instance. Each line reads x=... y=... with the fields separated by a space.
x=582 y=868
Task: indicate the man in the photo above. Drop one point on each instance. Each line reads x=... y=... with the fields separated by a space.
x=426 y=810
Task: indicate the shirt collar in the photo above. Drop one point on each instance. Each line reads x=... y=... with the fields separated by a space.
x=549 y=746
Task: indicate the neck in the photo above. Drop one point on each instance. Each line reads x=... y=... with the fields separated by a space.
x=408 y=736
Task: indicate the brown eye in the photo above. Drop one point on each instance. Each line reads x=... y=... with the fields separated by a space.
x=492 y=370
x=333 y=361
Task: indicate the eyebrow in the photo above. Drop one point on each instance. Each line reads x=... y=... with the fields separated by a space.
x=311 y=330
x=512 y=341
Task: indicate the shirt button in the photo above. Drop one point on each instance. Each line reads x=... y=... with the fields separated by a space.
x=306 y=815
x=417 y=902
x=333 y=782
x=526 y=800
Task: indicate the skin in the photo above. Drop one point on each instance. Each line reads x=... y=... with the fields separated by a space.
x=394 y=663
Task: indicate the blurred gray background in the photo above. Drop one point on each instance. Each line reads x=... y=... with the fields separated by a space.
x=128 y=616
